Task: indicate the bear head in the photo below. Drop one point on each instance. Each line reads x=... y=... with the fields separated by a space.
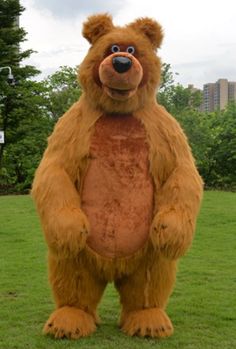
x=121 y=71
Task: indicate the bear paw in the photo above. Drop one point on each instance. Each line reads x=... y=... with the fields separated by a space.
x=172 y=233
x=68 y=232
x=147 y=323
x=69 y=322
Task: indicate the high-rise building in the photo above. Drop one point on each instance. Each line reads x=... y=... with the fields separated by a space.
x=232 y=91
x=217 y=95
x=208 y=97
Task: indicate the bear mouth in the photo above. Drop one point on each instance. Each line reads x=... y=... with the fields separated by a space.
x=119 y=94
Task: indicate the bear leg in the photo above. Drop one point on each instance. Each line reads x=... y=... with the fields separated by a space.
x=69 y=322
x=77 y=292
x=144 y=296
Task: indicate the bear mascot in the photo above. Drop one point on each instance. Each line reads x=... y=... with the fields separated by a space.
x=117 y=190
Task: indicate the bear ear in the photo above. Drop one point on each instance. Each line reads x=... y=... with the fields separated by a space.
x=150 y=28
x=97 y=26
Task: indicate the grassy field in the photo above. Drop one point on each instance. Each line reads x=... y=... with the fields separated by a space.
x=202 y=307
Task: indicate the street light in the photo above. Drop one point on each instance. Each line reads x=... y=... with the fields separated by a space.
x=11 y=81
x=10 y=77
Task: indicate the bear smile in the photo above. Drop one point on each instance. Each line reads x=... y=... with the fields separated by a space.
x=119 y=94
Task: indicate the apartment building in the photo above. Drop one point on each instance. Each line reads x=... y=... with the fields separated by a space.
x=232 y=91
x=217 y=95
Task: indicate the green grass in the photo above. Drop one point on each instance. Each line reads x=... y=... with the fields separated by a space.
x=202 y=307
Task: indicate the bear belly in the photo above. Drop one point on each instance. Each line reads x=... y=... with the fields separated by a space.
x=117 y=190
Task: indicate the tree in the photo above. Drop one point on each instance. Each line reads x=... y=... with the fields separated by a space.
x=212 y=136
x=62 y=91
x=197 y=127
x=166 y=89
x=167 y=77
x=21 y=106
x=175 y=97
x=223 y=151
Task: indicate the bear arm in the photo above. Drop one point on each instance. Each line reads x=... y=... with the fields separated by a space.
x=54 y=182
x=178 y=197
x=178 y=204
x=65 y=225
x=181 y=191
x=54 y=189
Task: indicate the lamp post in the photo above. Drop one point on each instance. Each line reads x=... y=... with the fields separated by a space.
x=11 y=81
x=10 y=77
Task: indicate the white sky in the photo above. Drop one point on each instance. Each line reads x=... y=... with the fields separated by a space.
x=199 y=43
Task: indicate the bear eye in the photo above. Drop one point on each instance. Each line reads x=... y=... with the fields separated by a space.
x=130 y=49
x=115 y=48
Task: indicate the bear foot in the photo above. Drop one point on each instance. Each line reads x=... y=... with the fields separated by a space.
x=147 y=323
x=69 y=322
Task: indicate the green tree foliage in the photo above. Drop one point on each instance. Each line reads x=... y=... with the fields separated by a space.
x=222 y=129
x=212 y=136
x=62 y=91
x=197 y=128
x=166 y=89
x=22 y=111
x=176 y=98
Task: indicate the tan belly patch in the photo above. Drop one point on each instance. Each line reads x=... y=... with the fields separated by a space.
x=117 y=193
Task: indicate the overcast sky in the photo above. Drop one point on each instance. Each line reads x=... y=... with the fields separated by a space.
x=199 y=43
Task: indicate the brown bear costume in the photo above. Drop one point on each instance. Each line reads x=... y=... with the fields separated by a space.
x=117 y=189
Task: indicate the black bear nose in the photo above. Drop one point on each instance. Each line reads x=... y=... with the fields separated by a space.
x=121 y=64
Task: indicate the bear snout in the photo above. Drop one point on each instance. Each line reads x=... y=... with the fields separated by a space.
x=121 y=64
x=120 y=75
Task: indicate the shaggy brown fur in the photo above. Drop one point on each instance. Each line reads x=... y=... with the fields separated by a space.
x=117 y=189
